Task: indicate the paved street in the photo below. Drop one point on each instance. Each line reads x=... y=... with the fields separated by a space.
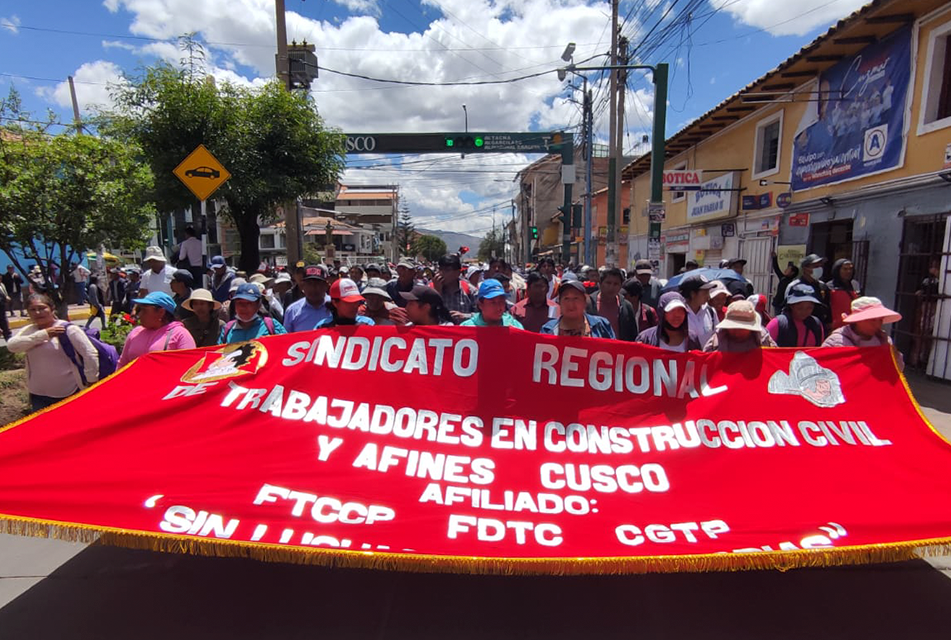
x=53 y=589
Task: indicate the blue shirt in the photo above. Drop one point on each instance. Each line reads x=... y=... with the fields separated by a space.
x=222 y=292
x=329 y=322
x=257 y=329
x=508 y=320
x=303 y=316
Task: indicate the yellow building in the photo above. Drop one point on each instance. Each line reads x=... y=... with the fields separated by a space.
x=843 y=150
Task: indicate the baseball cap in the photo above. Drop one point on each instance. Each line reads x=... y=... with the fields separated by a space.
x=406 y=263
x=811 y=260
x=346 y=290
x=283 y=276
x=801 y=292
x=571 y=281
x=734 y=261
x=490 y=288
x=376 y=286
x=315 y=272
x=248 y=291
x=237 y=282
x=696 y=282
x=217 y=262
x=157 y=299
x=371 y=266
x=183 y=276
x=642 y=267
x=424 y=295
x=718 y=288
x=676 y=303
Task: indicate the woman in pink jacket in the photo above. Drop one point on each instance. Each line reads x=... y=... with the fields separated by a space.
x=158 y=329
x=863 y=327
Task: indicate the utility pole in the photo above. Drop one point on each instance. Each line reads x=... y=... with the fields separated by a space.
x=658 y=154
x=619 y=150
x=292 y=223
x=589 y=148
x=76 y=118
x=612 y=136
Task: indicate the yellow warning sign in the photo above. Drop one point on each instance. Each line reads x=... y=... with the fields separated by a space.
x=202 y=173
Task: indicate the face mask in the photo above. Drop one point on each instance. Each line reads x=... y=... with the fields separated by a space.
x=245 y=319
x=817 y=273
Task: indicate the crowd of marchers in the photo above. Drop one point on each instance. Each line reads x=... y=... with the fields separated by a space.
x=197 y=307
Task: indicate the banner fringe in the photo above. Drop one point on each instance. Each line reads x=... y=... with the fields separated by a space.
x=418 y=563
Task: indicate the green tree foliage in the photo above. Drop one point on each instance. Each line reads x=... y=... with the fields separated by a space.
x=405 y=230
x=63 y=194
x=430 y=247
x=492 y=245
x=273 y=142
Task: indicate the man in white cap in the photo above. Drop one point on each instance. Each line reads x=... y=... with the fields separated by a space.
x=863 y=327
x=740 y=330
x=380 y=307
x=157 y=276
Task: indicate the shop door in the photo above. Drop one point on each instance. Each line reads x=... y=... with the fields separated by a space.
x=758 y=255
x=923 y=335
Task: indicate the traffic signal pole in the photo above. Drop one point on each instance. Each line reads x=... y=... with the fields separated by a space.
x=292 y=223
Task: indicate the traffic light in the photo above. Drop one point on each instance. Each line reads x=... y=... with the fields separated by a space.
x=626 y=216
x=534 y=232
x=577 y=216
x=465 y=143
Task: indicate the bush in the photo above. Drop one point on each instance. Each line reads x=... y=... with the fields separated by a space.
x=10 y=361
x=117 y=329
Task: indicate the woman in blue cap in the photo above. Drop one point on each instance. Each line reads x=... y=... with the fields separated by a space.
x=492 y=302
x=158 y=329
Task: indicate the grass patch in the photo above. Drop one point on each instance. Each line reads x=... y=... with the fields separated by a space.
x=10 y=361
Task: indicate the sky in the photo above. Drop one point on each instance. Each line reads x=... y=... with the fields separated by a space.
x=714 y=48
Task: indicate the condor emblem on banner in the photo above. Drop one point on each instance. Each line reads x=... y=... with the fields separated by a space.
x=231 y=361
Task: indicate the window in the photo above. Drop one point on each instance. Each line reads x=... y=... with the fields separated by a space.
x=678 y=196
x=769 y=133
x=936 y=101
x=267 y=241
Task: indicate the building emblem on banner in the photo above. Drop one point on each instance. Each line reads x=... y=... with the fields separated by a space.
x=230 y=361
x=875 y=142
x=809 y=379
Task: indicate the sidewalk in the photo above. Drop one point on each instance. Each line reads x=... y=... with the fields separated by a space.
x=935 y=401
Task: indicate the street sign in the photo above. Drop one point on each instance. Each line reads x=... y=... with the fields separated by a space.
x=201 y=173
x=656 y=212
x=456 y=142
x=783 y=200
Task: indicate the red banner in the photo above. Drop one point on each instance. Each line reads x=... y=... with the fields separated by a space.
x=458 y=449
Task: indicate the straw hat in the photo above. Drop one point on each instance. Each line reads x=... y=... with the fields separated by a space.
x=202 y=295
x=741 y=315
x=869 y=308
x=260 y=278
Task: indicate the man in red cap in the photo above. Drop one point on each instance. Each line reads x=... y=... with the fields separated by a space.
x=345 y=301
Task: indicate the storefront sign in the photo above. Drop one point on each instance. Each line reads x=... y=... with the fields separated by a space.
x=554 y=455
x=783 y=200
x=683 y=179
x=762 y=201
x=714 y=200
x=856 y=126
x=799 y=220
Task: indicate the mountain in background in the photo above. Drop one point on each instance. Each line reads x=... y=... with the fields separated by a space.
x=454 y=240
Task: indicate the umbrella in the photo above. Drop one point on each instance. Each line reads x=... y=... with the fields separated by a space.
x=110 y=259
x=710 y=273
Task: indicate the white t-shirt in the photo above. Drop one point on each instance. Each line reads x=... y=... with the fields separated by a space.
x=80 y=274
x=702 y=323
x=191 y=251
x=680 y=348
x=160 y=281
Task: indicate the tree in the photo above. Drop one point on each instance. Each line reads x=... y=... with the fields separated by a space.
x=430 y=247
x=63 y=194
x=492 y=245
x=273 y=142
x=405 y=230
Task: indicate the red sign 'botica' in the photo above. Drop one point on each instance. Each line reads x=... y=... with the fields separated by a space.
x=489 y=450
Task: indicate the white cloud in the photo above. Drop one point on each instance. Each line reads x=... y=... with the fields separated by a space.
x=92 y=82
x=11 y=24
x=787 y=18
x=361 y=6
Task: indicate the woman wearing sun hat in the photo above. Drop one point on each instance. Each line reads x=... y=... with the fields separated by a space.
x=158 y=329
x=863 y=327
x=740 y=330
x=205 y=326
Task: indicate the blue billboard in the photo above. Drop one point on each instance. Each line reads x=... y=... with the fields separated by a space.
x=856 y=126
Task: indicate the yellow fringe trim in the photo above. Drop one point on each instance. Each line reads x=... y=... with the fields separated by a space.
x=420 y=563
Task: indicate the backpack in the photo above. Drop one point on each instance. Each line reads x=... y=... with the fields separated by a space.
x=787 y=330
x=268 y=322
x=108 y=356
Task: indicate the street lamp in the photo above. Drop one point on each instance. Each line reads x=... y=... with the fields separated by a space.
x=659 y=74
x=569 y=51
